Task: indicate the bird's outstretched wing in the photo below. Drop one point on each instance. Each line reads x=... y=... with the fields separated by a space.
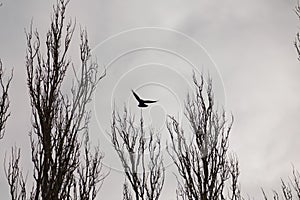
x=150 y=101
x=136 y=96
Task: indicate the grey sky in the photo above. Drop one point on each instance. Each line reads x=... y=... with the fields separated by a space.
x=250 y=41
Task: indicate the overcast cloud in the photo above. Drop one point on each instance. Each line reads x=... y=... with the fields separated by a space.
x=257 y=74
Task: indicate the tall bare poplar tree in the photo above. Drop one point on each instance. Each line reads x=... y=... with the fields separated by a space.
x=140 y=155
x=65 y=167
x=206 y=171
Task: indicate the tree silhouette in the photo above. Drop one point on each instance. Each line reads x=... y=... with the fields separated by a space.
x=205 y=169
x=65 y=167
x=289 y=189
x=145 y=175
x=4 y=100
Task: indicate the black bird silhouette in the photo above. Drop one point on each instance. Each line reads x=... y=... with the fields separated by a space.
x=142 y=102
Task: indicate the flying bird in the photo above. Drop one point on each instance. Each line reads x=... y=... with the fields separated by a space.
x=142 y=102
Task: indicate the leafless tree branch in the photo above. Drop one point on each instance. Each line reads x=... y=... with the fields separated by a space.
x=297 y=39
x=4 y=100
x=289 y=189
x=16 y=181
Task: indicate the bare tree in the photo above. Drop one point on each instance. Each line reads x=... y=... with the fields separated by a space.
x=145 y=175
x=4 y=100
x=289 y=189
x=204 y=166
x=64 y=166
